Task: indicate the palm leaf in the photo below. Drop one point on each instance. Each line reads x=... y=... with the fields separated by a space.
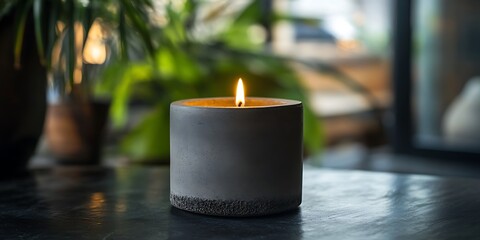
x=6 y=7
x=139 y=24
x=20 y=23
x=70 y=28
x=37 y=17
x=122 y=29
x=51 y=34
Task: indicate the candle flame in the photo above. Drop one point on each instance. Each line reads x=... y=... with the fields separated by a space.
x=240 y=96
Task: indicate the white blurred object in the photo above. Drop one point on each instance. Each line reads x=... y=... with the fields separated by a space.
x=341 y=27
x=316 y=8
x=461 y=124
x=329 y=104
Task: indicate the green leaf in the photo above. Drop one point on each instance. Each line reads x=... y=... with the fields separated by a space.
x=149 y=141
x=37 y=17
x=250 y=14
x=166 y=62
x=236 y=34
x=110 y=79
x=139 y=25
x=175 y=30
x=20 y=22
x=7 y=6
x=122 y=29
x=134 y=73
x=176 y=64
x=52 y=36
x=70 y=28
x=190 y=10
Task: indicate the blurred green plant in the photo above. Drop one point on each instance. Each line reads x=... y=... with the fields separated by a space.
x=189 y=64
x=129 y=18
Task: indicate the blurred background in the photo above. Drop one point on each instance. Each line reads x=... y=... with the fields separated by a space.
x=387 y=85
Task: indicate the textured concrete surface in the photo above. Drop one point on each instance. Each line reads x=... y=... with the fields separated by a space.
x=235 y=208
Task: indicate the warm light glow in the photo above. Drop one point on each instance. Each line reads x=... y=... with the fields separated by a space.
x=77 y=75
x=240 y=96
x=95 y=51
x=96 y=205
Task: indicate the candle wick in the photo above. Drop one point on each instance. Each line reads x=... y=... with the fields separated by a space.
x=240 y=104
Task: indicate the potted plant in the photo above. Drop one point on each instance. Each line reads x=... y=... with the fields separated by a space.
x=48 y=38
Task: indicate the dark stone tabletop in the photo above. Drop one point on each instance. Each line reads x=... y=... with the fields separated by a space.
x=133 y=203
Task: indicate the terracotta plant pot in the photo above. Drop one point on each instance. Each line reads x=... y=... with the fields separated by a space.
x=74 y=131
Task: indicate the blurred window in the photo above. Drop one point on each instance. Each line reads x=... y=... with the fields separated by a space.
x=446 y=73
x=349 y=36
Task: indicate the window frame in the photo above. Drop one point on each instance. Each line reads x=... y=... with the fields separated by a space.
x=403 y=131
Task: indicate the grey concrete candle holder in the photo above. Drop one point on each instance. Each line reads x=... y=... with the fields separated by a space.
x=230 y=161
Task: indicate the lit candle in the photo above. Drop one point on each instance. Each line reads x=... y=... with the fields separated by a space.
x=236 y=156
